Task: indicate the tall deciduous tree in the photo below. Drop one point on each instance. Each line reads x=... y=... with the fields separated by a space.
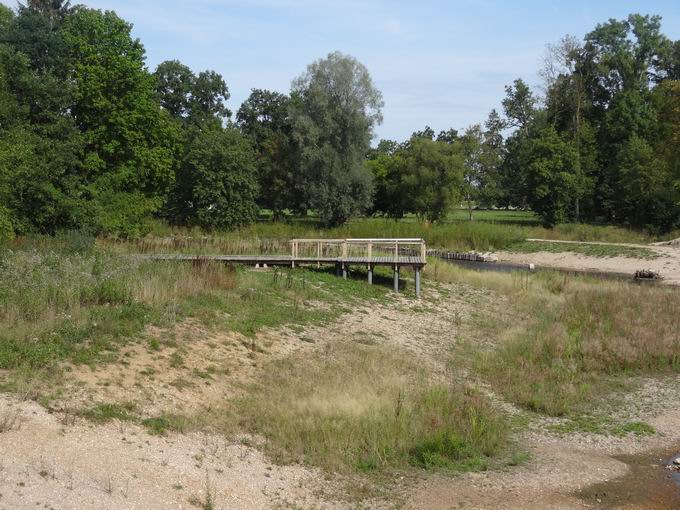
x=333 y=124
x=217 y=183
x=130 y=161
x=519 y=105
x=264 y=119
x=551 y=179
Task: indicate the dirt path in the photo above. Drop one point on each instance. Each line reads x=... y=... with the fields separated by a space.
x=53 y=460
x=667 y=265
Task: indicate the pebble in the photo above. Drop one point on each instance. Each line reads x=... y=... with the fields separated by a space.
x=676 y=461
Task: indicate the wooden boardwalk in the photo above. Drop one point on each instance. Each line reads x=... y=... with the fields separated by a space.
x=342 y=253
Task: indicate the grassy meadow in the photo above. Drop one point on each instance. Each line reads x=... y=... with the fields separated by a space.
x=490 y=230
x=557 y=345
x=566 y=342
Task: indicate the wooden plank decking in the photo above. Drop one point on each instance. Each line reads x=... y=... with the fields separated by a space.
x=343 y=253
x=288 y=260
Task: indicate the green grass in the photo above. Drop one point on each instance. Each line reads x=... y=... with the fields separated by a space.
x=591 y=250
x=104 y=413
x=161 y=425
x=80 y=306
x=491 y=230
x=298 y=297
x=516 y=216
x=369 y=409
x=602 y=425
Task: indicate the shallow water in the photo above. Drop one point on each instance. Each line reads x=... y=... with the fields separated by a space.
x=507 y=267
x=647 y=485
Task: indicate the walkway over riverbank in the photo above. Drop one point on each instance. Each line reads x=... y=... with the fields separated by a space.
x=343 y=253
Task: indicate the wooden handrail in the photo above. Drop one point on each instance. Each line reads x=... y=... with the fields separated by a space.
x=365 y=248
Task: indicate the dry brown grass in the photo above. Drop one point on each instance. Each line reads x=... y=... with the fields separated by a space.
x=170 y=282
x=9 y=419
x=577 y=337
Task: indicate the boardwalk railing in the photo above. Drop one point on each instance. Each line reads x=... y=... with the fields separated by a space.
x=343 y=253
x=371 y=251
x=368 y=252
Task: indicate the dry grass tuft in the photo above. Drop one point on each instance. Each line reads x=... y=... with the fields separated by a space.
x=9 y=419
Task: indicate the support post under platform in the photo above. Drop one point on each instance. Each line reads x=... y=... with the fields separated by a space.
x=396 y=278
x=370 y=275
x=417 y=282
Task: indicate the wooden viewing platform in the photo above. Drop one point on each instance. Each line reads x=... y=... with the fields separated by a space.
x=342 y=253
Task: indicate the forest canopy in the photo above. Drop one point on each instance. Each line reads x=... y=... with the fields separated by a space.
x=92 y=139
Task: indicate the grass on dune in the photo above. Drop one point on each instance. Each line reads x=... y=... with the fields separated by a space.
x=590 y=250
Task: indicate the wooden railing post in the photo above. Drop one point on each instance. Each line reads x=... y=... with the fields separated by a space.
x=318 y=254
x=423 y=250
x=370 y=252
x=344 y=250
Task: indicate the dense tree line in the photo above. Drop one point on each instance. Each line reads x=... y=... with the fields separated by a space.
x=603 y=145
x=91 y=139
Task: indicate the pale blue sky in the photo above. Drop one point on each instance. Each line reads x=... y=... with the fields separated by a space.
x=439 y=63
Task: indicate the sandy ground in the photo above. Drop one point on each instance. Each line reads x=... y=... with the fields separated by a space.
x=44 y=464
x=51 y=460
x=577 y=470
x=667 y=265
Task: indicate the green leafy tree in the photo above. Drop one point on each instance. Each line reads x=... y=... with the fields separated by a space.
x=40 y=147
x=335 y=109
x=265 y=120
x=130 y=144
x=472 y=143
x=217 y=184
x=551 y=176
x=174 y=85
x=493 y=153
x=646 y=196
x=392 y=197
x=430 y=175
x=519 y=105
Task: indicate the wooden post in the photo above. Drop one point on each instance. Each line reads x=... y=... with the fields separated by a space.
x=318 y=254
x=396 y=278
x=417 y=282
x=396 y=252
x=294 y=254
x=423 y=250
x=344 y=250
x=344 y=271
x=370 y=253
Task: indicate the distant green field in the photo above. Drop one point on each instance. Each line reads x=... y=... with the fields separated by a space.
x=517 y=216
x=490 y=230
x=591 y=250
